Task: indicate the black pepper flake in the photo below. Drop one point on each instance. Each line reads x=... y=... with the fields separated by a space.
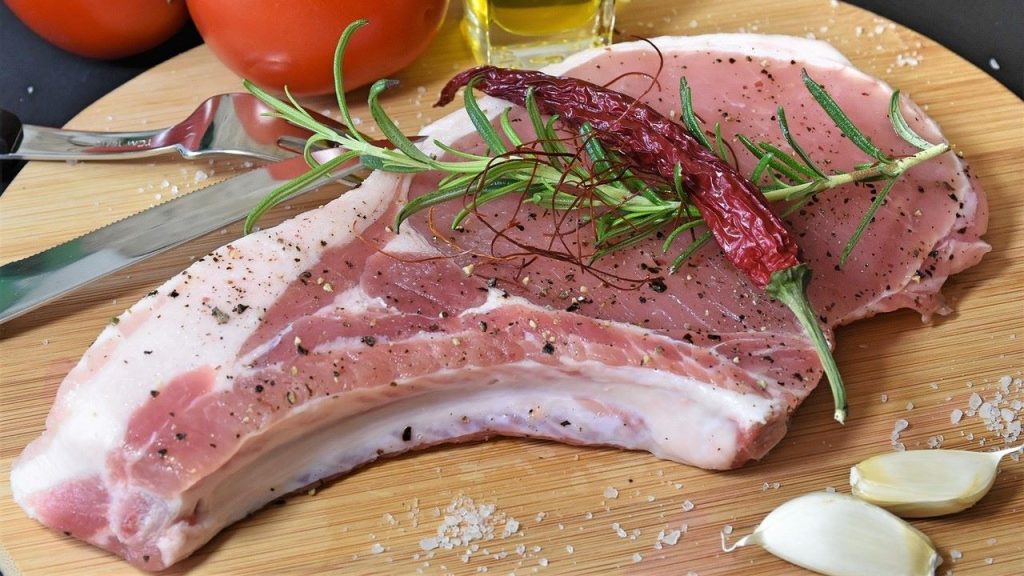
x=154 y=393
x=407 y=434
x=548 y=348
x=369 y=341
x=302 y=350
x=239 y=308
x=658 y=285
x=153 y=293
x=259 y=388
x=714 y=337
x=147 y=352
x=566 y=423
x=173 y=294
x=220 y=315
x=162 y=452
x=180 y=436
x=145 y=557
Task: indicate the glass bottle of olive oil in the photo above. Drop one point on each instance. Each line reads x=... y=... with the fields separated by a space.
x=533 y=33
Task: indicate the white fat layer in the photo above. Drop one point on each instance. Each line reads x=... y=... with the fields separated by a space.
x=409 y=241
x=497 y=299
x=628 y=407
x=775 y=46
x=116 y=375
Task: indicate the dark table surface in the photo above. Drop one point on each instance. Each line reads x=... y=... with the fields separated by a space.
x=46 y=86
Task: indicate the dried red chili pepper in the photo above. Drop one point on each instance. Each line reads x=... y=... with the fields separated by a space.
x=752 y=237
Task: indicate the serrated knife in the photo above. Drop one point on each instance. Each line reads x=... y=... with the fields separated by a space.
x=31 y=282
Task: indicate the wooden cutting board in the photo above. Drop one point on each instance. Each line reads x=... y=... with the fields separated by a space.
x=895 y=366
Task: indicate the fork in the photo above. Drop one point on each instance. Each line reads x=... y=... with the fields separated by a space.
x=225 y=125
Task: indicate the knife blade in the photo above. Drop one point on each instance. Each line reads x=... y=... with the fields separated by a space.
x=31 y=282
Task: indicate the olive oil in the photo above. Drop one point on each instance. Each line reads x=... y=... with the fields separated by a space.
x=533 y=33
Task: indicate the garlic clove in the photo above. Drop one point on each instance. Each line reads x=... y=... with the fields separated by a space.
x=839 y=535
x=924 y=483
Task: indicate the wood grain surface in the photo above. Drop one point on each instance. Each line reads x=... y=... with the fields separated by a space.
x=895 y=366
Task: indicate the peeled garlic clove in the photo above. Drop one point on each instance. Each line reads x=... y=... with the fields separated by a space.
x=840 y=535
x=923 y=483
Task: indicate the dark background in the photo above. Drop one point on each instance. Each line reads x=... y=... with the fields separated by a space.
x=46 y=86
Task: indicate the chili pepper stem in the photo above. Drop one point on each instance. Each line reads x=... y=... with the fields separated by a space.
x=789 y=287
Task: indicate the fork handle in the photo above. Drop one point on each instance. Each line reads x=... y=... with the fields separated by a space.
x=42 y=143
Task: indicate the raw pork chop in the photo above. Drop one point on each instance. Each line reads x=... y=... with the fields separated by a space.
x=304 y=351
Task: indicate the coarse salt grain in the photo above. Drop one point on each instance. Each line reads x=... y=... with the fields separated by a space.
x=377 y=548
x=637 y=557
x=611 y=492
x=975 y=401
x=688 y=505
x=955 y=416
x=670 y=537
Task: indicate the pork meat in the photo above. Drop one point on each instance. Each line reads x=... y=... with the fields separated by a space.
x=306 y=350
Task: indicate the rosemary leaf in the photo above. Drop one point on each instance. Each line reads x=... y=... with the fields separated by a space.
x=720 y=149
x=868 y=216
x=291 y=187
x=899 y=124
x=482 y=123
x=803 y=172
x=490 y=194
x=688 y=117
x=784 y=128
x=388 y=127
x=841 y=120
x=545 y=134
x=548 y=197
x=339 y=87
x=387 y=165
x=688 y=225
x=439 y=196
x=311 y=146
x=510 y=131
x=677 y=182
x=690 y=250
x=459 y=153
x=762 y=165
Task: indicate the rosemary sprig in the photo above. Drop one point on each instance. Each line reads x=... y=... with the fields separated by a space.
x=572 y=172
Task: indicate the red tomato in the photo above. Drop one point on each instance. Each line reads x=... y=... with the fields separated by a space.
x=278 y=43
x=102 y=28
